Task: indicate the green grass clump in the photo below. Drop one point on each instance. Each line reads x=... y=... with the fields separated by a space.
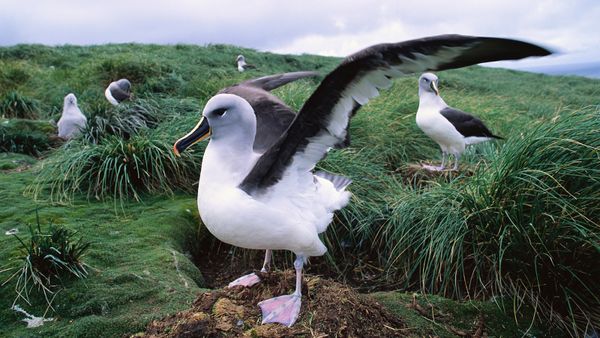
x=115 y=168
x=120 y=155
x=46 y=258
x=123 y=120
x=13 y=74
x=11 y=161
x=15 y=105
x=131 y=67
x=25 y=136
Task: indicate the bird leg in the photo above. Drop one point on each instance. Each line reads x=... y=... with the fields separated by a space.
x=252 y=278
x=285 y=309
x=456 y=159
x=267 y=263
x=440 y=168
x=444 y=156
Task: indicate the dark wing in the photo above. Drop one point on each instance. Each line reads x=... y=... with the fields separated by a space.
x=274 y=81
x=273 y=116
x=323 y=120
x=467 y=124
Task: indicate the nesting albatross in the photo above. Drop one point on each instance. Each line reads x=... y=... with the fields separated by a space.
x=273 y=200
x=118 y=91
x=72 y=120
x=451 y=128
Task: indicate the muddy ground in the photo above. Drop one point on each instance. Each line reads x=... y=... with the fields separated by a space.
x=329 y=309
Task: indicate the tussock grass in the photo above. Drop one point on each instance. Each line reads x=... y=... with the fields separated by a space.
x=25 y=136
x=122 y=154
x=135 y=69
x=46 y=258
x=123 y=120
x=524 y=225
x=115 y=169
x=15 y=105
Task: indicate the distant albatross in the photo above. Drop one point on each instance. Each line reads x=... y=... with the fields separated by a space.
x=273 y=200
x=118 y=91
x=241 y=63
x=72 y=120
x=451 y=128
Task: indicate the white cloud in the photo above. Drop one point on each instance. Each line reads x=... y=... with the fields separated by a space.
x=309 y=26
x=345 y=43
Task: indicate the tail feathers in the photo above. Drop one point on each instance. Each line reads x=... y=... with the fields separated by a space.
x=498 y=137
x=339 y=182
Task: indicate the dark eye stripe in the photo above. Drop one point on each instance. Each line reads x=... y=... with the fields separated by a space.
x=219 y=112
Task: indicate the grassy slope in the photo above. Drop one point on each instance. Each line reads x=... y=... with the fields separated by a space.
x=135 y=277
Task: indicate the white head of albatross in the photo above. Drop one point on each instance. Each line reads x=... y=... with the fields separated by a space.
x=270 y=198
x=450 y=128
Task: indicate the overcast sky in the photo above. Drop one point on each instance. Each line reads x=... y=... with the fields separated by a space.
x=305 y=26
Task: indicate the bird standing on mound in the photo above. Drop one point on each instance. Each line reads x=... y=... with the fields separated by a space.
x=273 y=200
x=451 y=128
x=118 y=91
x=242 y=65
x=72 y=121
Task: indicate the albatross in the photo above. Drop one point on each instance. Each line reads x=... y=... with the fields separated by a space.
x=241 y=63
x=118 y=91
x=72 y=120
x=450 y=128
x=273 y=200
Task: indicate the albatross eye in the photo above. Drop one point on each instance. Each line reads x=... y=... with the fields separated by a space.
x=219 y=112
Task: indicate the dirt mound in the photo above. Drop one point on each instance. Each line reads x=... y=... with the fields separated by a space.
x=417 y=176
x=328 y=309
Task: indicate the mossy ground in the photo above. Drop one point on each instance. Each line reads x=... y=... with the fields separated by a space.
x=138 y=268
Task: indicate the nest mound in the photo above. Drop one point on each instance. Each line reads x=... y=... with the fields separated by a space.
x=328 y=309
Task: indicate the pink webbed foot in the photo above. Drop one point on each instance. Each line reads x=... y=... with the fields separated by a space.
x=282 y=309
x=246 y=280
x=432 y=168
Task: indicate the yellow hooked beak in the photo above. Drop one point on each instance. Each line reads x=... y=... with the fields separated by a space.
x=200 y=132
x=434 y=88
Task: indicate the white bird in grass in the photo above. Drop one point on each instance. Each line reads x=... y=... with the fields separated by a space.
x=272 y=199
x=72 y=120
x=450 y=128
x=241 y=63
x=118 y=91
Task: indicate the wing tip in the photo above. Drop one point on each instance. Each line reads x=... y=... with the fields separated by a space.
x=339 y=182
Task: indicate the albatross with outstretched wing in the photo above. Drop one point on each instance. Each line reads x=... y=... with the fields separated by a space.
x=272 y=200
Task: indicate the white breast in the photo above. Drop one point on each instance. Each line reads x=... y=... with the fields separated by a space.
x=436 y=126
